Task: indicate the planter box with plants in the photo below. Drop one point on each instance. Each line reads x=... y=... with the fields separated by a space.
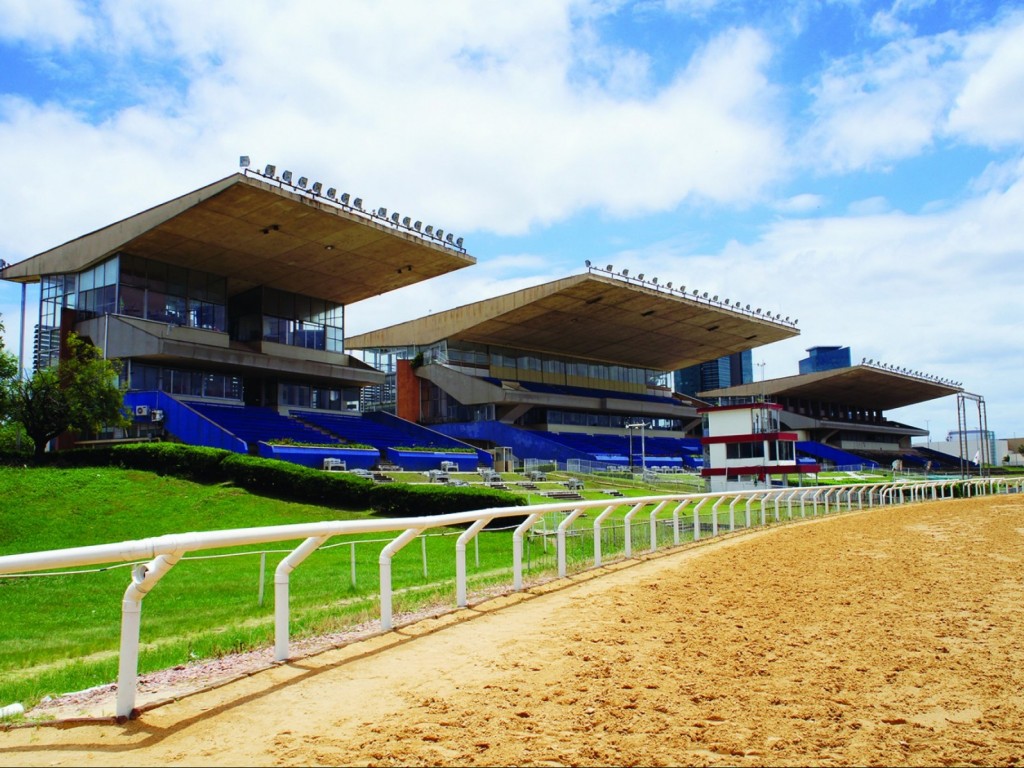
x=309 y=455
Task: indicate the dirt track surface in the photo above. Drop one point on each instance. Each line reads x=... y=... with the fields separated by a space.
x=888 y=637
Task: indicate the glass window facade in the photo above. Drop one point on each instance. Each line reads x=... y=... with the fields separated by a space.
x=183 y=381
x=266 y=314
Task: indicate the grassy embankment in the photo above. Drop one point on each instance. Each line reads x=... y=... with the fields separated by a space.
x=60 y=633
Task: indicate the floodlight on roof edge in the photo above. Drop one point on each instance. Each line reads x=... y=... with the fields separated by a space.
x=286 y=177
x=303 y=181
x=269 y=171
x=316 y=188
x=243 y=161
x=332 y=192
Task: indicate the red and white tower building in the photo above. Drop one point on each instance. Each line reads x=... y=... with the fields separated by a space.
x=745 y=447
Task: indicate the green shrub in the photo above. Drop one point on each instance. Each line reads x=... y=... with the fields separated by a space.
x=284 y=480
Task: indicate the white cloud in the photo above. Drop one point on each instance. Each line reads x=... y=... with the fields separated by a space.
x=44 y=22
x=884 y=107
x=868 y=206
x=484 y=116
x=988 y=109
x=895 y=103
x=799 y=203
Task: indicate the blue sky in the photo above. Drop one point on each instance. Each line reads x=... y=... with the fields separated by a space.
x=856 y=165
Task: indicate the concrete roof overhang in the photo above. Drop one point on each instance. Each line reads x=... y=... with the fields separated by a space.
x=859 y=386
x=592 y=317
x=256 y=232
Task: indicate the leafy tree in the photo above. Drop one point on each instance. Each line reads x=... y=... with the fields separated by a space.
x=8 y=378
x=80 y=394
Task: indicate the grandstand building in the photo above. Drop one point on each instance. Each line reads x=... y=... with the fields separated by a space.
x=565 y=371
x=227 y=309
x=838 y=414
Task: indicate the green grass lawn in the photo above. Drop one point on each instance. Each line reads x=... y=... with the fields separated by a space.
x=60 y=633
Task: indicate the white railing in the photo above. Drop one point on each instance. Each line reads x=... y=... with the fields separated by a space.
x=155 y=557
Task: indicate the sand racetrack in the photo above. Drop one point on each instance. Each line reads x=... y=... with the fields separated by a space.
x=888 y=637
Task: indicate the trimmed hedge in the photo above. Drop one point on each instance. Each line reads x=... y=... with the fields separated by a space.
x=284 y=480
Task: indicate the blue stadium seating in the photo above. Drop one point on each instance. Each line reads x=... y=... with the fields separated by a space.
x=253 y=424
x=835 y=456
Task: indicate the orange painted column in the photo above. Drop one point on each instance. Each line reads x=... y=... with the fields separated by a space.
x=407 y=396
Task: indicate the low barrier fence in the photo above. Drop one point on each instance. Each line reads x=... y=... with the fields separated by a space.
x=647 y=524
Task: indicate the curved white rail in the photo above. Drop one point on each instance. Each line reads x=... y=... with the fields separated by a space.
x=156 y=556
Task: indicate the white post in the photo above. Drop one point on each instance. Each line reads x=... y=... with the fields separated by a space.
x=460 y=560
x=517 y=549
x=628 y=522
x=597 y=531
x=263 y=578
x=676 y=513
x=144 y=578
x=732 y=513
x=560 y=539
x=352 y=562
x=696 y=518
x=384 y=561
x=654 y=525
x=423 y=548
x=714 y=515
x=282 y=576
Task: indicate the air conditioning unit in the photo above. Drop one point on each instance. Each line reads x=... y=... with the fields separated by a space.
x=142 y=410
x=156 y=415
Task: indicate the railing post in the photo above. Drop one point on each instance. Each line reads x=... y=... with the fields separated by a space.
x=144 y=578
x=654 y=525
x=282 y=576
x=696 y=518
x=460 y=559
x=732 y=513
x=714 y=515
x=628 y=529
x=676 y=513
x=384 y=561
x=598 y=521
x=560 y=539
x=517 y=549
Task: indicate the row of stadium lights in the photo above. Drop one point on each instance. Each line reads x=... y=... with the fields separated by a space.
x=694 y=294
x=346 y=201
x=908 y=372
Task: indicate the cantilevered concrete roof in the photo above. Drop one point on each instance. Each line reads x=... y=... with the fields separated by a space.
x=592 y=317
x=860 y=386
x=256 y=232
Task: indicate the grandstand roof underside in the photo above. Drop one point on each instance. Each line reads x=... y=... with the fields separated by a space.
x=254 y=232
x=860 y=386
x=591 y=317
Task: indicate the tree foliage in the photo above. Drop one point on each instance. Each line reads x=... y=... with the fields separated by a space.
x=8 y=378
x=79 y=394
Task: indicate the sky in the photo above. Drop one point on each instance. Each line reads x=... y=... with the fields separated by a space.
x=855 y=165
